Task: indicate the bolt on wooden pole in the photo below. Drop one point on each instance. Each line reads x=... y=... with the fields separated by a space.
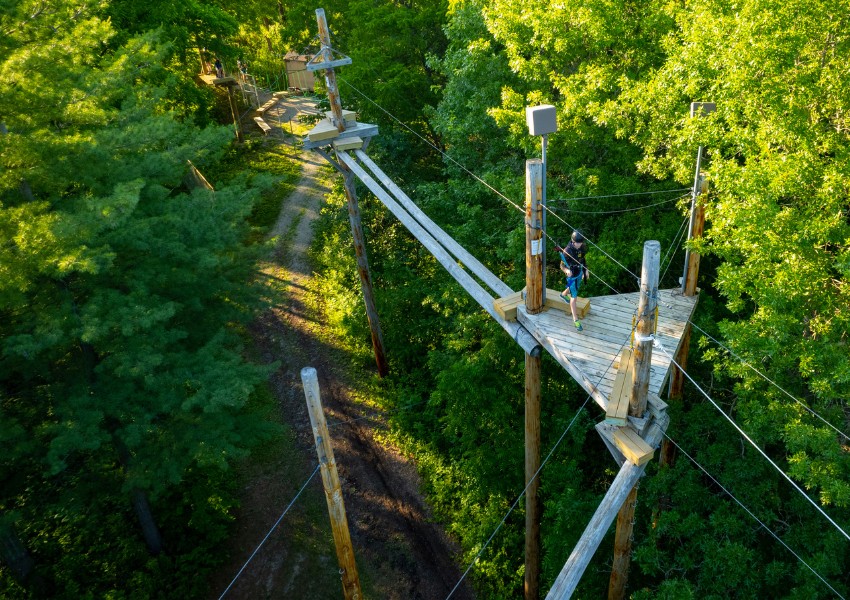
x=534 y=265
x=353 y=209
x=333 y=491
x=637 y=407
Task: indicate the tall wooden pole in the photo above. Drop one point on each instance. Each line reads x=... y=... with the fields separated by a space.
x=534 y=265
x=645 y=328
x=534 y=257
x=637 y=408
x=330 y=74
x=333 y=491
x=235 y=112
x=353 y=209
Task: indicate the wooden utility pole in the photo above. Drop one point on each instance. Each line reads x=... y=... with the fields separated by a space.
x=637 y=407
x=351 y=197
x=333 y=491
x=534 y=258
x=534 y=264
x=235 y=112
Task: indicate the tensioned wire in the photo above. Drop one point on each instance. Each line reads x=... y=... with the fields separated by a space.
x=673 y=245
x=750 y=440
x=623 y=195
x=621 y=210
x=257 y=549
x=773 y=383
x=491 y=188
x=749 y=512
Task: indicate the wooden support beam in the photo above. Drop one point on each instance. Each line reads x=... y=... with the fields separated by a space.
x=330 y=482
x=534 y=255
x=499 y=287
x=520 y=335
x=622 y=546
x=353 y=209
x=365 y=274
x=235 y=114
x=531 y=582
x=567 y=580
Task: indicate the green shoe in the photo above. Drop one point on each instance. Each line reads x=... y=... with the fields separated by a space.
x=578 y=326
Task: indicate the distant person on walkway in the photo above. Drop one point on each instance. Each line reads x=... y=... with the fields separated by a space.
x=243 y=69
x=219 y=70
x=574 y=267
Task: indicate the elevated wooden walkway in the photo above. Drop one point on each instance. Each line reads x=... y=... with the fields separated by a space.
x=591 y=356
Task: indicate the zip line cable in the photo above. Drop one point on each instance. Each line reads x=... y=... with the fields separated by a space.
x=628 y=194
x=518 y=498
x=749 y=512
x=750 y=440
x=673 y=245
x=773 y=383
x=622 y=210
x=309 y=479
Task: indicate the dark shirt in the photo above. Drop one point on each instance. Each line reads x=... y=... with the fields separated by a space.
x=574 y=259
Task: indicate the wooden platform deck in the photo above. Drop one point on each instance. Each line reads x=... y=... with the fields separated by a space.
x=591 y=356
x=213 y=80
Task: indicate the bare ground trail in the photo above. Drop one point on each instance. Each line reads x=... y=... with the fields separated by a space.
x=401 y=552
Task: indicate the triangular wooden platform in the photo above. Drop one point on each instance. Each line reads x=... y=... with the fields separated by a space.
x=591 y=355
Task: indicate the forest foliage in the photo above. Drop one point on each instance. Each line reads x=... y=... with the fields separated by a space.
x=126 y=389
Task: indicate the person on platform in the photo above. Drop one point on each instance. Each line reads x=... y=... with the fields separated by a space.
x=574 y=267
x=219 y=69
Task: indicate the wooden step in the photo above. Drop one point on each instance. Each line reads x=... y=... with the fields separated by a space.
x=617 y=412
x=506 y=306
x=323 y=130
x=263 y=125
x=632 y=446
x=556 y=301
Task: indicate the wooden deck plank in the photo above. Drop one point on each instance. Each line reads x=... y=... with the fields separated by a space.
x=618 y=402
x=590 y=356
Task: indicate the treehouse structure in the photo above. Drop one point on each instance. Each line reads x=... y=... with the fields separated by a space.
x=612 y=358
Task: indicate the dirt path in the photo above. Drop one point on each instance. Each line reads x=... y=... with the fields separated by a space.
x=401 y=553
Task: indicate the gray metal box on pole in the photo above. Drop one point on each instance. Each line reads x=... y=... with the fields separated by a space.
x=541 y=119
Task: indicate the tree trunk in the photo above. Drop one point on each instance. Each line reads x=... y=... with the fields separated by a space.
x=14 y=554
x=139 y=501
